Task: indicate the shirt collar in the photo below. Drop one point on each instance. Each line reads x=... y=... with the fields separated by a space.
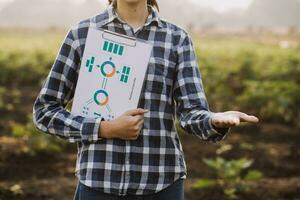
x=111 y=15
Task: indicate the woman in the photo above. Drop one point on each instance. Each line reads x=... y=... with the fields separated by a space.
x=139 y=154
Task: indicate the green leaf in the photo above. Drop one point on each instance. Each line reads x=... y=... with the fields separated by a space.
x=247 y=146
x=230 y=193
x=204 y=183
x=224 y=148
x=19 y=131
x=216 y=164
x=253 y=175
x=244 y=163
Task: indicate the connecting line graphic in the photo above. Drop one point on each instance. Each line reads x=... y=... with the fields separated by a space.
x=97 y=114
x=86 y=106
x=104 y=82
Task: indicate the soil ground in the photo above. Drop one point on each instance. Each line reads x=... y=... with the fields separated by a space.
x=51 y=176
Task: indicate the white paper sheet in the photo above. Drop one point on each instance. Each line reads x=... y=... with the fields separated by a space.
x=111 y=75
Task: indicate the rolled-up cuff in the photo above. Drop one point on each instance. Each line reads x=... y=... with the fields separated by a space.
x=90 y=130
x=216 y=134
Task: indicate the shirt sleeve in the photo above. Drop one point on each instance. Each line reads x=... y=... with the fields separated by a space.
x=49 y=110
x=192 y=109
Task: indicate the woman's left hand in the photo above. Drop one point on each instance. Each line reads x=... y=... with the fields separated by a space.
x=231 y=118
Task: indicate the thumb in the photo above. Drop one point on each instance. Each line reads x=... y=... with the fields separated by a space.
x=138 y=111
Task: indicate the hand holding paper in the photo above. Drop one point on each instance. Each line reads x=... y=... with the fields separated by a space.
x=126 y=127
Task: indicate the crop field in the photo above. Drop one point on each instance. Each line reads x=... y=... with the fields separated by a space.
x=257 y=74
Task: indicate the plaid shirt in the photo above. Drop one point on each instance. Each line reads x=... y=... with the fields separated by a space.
x=172 y=88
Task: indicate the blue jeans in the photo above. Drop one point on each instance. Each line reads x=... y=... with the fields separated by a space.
x=173 y=192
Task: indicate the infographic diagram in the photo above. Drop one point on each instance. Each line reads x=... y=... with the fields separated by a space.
x=106 y=70
x=110 y=77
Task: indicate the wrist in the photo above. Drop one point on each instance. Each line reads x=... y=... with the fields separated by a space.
x=106 y=129
x=213 y=122
x=213 y=125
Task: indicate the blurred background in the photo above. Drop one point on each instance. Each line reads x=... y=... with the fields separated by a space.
x=249 y=57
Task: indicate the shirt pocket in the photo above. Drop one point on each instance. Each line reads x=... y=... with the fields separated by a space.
x=159 y=76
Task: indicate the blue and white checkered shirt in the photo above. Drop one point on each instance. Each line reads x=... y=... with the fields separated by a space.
x=172 y=88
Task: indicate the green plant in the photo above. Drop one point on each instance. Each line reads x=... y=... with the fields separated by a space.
x=37 y=141
x=229 y=176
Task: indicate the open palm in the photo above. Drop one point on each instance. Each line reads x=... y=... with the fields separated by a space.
x=231 y=118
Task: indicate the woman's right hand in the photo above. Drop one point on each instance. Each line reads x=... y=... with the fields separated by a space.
x=126 y=127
